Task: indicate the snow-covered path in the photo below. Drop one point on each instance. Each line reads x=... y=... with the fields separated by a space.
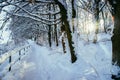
x=52 y=64
x=44 y=63
x=47 y=66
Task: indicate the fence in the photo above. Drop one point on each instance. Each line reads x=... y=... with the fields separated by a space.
x=10 y=58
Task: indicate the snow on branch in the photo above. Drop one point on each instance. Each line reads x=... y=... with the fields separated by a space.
x=34 y=16
x=90 y=6
x=50 y=12
x=42 y=20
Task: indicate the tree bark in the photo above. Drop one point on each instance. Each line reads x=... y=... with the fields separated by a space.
x=49 y=26
x=55 y=28
x=63 y=44
x=63 y=13
x=116 y=37
x=97 y=19
x=49 y=35
x=73 y=10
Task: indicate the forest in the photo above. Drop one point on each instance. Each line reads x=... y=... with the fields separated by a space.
x=59 y=40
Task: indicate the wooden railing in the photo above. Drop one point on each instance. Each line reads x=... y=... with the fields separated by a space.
x=9 y=59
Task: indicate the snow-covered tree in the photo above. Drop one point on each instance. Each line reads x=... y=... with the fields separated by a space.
x=29 y=12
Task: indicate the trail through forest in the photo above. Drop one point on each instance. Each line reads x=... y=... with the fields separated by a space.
x=52 y=64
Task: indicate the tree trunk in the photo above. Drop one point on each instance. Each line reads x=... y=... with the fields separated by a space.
x=49 y=35
x=69 y=36
x=73 y=10
x=104 y=19
x=63 y=44
x=116 y=36
x=73 y=16
x=97 y=19
x=55 y=28
x=49 y=31
x=63 y=13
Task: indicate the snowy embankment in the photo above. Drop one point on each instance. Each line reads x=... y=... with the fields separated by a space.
x=94 y=63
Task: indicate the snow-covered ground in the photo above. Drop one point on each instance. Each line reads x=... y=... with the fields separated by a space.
x=43 y=63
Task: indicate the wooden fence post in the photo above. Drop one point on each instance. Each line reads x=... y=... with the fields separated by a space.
x=10 y=59
x=19 y=54
x=24 y=51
